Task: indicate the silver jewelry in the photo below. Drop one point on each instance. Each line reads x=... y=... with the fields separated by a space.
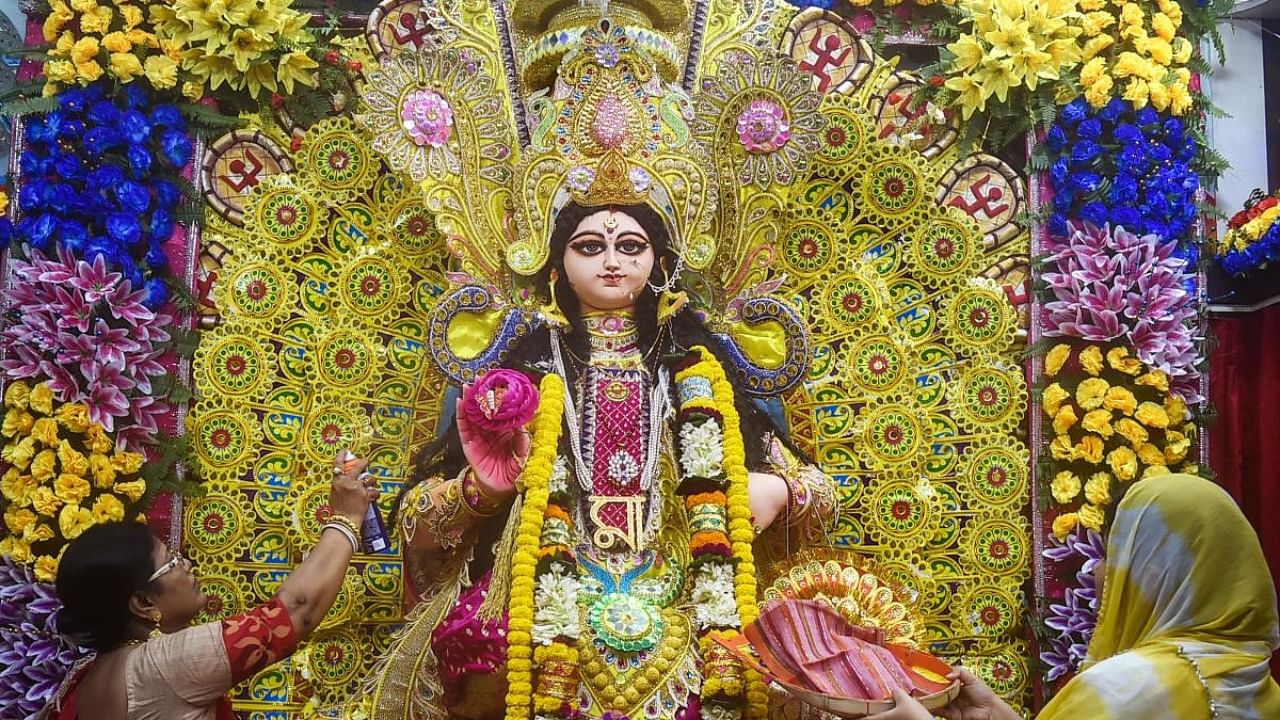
x=346 y=532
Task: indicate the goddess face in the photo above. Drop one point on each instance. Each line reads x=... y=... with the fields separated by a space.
x=607 y=261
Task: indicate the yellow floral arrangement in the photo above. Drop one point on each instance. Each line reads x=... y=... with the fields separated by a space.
x=247 y=45
x=1012 y=47
x=894 y=3
x=60 y=474
x=1111 y=420
x=1132 y=50
x=89 y=41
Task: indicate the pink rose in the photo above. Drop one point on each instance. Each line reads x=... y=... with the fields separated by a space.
x=501 y=401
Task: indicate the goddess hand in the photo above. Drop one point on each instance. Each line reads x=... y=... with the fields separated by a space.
x=497 y=459
x=905 y=707
x=767 y=494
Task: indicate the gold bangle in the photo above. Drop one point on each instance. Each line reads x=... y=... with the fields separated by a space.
x=347 y=523
x=474 y=499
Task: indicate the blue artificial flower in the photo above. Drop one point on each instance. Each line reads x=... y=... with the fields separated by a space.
x=156 y=257
x=1063 y=200
x=1058 y=225
x=1188 y=150
x=133 y=196
x=1127 y=134
x=105 y=247
x=1084 y=181
x=38 y=132
x=1094 y=212
x=167 y=193
x=1075 y=111
x=157 y=293
x=1160 y=153
x=1157 y=228
x=1234 y=263
x=139 y=158
x=1133 y=161
x=1173 y=130
x=1124 y=216
x=1114 y=109
x=105 y=176
x=1147 y=116
x=1059 y=171
x=105 y=112
x=30 y=197
x=162 y=223
x=67 y=166
x=60 y=197
x=1085 y=151
x=124 y=228
x=1155 y=205
x=73 y=232
x=131 y=271
x=100 y=139
x=135 y=127
x=1056 y=139
x=6 y=232
x=167 y=116
x=1190 y=252
x=71 y=130
x=136 y=96
x=1090 y=129
x=177 y=147
x=41 y=230
x=31 y=163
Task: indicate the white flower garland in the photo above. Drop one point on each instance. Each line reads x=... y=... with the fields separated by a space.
x=702 y=449
x=556 y=600
x=712 y=595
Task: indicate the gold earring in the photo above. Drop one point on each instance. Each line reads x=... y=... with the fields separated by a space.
x=669 y=300
x=155 y=631
x=551 y=311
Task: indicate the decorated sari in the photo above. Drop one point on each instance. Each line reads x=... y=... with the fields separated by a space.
x=186 y=675
x=1188 y=619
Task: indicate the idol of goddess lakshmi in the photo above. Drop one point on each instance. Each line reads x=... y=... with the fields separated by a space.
x=640 y=487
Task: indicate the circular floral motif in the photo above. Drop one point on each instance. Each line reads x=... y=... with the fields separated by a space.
x=877 y=363
x=901 y=510
x=215 y=523
x=309 y=509
x=344 y=359
x=414 y=229
x=990 y=398
x=223 y=596
x=893 y=188
x=1004 y=672
x=283 y=214
x=256 y=291
x=223 y=438
x=981 y=319
x=336 y=161
x=236 y=365
x=991 y=611
x=851 y=302
x=763 y=127
x=807 y=248
x=626 y=623
x=893 y=435
x=329 y=430
x=944 y=251
x=370 y=286
x=334 y=657
x=996 y=475
x=427 y=118
x=999 y=547
x=842 y=139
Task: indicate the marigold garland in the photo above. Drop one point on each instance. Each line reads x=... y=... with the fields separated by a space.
x=536 y=479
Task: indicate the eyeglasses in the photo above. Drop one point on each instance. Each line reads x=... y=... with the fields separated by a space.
x=174 y=561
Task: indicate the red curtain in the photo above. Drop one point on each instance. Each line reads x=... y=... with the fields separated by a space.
x=1244 y=444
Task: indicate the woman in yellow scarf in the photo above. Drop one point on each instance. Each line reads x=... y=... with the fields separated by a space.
x=1187 y=624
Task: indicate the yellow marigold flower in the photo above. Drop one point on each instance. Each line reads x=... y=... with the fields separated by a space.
x=1052 y=399
x=1120 y=399
x=17 y=422
x=1123 y=462
x=1118 y=358
x=107 y=508
x=171 y=49
x=84 y=6
x=41 y=399
x=45 y=465
x=1129 y=64
x=1062 y=449
x=40 y=532
x=1149 y=454
x=1152 y=415
x=1155 y=471
x=1160 y=51
x=19 y=454
x=1090 y=449
x=74 y=520
x=1065 y=418
x=1132 y=431
x=1095 y=22
x=142 y=38
x=1091 y=360
x=1065 y=487
x=17 y=519
x=1092 y=5
x=1055 y=359
x=1064 y=524
x=1096 y=45
x=1093 y=71
x=1137 y=93
x=50 y=89
x=1174 y=12
x=1182 y=49
x=1175 y=447
x=1098 y=421
x=89 y=70
x=1097 y=489
x=52 y=26
x=72 y=460
x=134 y=490
x=45 y=502
x=45 y=568
x=128 y=463
x=1092 y=517
x=45 y=431
x=16 y=487
x=1091 y=392
x=97 y=22
x=16 y=549
x=1100 y=94
x=1163 y=26
x=1156 y=379
x=71 y=488
x=132 y=16
x=1175 y=408
x=1159 y=96
x=161 y=72
x=116 y=42
x=104 y=473
x=192 y=90
x=97 y=440
x=1180 y=99
x=73 y=416
x=125 y=66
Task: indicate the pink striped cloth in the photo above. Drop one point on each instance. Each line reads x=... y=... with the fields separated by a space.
x=825 y=652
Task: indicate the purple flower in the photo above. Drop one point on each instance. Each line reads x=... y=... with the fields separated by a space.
x=1075 y=618
x=34 y=659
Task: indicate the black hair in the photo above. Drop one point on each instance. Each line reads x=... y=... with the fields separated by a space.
x=99 y=573
x=444 y=457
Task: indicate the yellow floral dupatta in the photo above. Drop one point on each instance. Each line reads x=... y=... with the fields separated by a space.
x=1188 y=619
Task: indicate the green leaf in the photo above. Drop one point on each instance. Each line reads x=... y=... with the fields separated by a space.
x=29 y=105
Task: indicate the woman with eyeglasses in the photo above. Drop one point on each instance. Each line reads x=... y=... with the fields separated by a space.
x=131 y=599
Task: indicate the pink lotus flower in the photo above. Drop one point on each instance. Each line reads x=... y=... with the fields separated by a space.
x=1111 y=284
x=86 y=332
x=763 y=127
